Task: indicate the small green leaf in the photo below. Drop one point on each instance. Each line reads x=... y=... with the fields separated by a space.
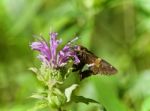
x=39 y=95
x=83 y=99
x=69 y=90
x=33 y=69
x=39 y=105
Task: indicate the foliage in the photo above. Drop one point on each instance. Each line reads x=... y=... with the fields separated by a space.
x=116 y=30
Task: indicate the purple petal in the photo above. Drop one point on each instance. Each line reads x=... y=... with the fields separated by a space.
x=43 y=58
x=53 y=46
x=73 y=55
x=65 y=54
x=43 y=48
x=76 y=60
x=50 y=56
x=66 y=48
x=36 y=46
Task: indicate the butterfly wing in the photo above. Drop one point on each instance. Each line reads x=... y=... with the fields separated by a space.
x=95 y=65
x=103 y=67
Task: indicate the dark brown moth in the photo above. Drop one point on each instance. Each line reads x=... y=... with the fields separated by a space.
x=90 y=64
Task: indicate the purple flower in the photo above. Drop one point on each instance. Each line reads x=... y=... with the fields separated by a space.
x=50 y=56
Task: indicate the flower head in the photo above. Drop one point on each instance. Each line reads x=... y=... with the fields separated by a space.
x=55 y=93
x=50 y=56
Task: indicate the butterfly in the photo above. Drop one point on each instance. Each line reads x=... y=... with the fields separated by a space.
x=90 y=64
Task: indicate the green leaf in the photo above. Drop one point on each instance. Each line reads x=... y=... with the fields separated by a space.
x=69 y=90
x=39 y=105
x=72 y=78
x=103 y=90
x=146 y=104
x=106 y=93
x=33 y=69
x=83 y=99
x=38 y=96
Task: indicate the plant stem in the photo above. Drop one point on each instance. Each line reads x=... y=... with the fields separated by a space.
x=59 y=109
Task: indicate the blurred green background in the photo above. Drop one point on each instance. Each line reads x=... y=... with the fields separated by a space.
x=116 y=30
